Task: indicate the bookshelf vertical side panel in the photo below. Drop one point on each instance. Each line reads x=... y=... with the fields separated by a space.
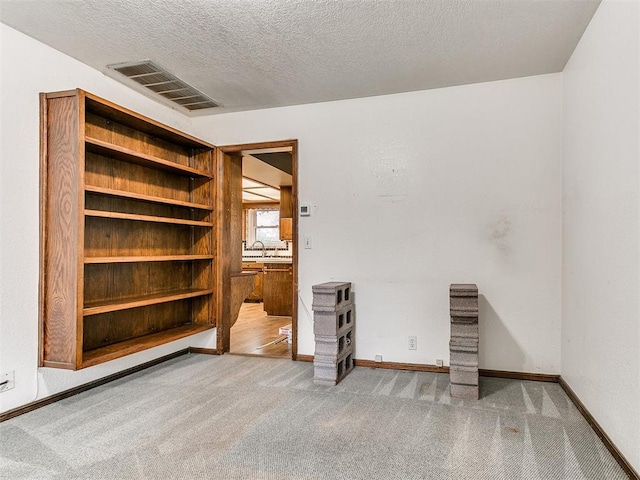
x=59 y=232
x=80 y=202
x=42 y=226
x=222 y=244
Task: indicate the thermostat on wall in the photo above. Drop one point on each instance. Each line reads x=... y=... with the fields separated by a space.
x=305 y=210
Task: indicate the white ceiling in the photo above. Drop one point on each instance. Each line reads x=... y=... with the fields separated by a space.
x=255 y=169
x=249 y=54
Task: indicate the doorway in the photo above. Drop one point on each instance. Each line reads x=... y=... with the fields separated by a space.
x=258 y=199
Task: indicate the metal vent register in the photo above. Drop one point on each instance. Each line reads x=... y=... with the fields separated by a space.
x=160 y=82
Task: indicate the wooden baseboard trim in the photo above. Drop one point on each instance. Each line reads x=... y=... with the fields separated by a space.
x=535 y=377
x=619 y=457
x=419 y=367
x=88 y=386
x=204 y=351
x=415 y=367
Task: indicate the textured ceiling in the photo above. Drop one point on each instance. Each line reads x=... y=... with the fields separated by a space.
x=249 y=54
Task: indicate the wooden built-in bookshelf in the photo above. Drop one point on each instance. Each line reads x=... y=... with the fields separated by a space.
x=127 y=239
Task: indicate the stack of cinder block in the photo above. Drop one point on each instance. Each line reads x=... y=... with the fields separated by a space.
x=333 y=322
x=463 y=370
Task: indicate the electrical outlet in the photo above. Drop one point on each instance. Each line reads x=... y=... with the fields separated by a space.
x=7 y=381
x=378 y=359
x=307 y=242
x=413 y=343
x=439 y=362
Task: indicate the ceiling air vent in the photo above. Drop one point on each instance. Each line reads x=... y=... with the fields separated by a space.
x=160 y=82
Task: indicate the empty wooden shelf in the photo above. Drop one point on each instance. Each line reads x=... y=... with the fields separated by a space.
x=106 y=149
x=147 y=258
x=127 y=241
x=146 y=198
x=111 y=305
x=145 y=218
x=127 y=347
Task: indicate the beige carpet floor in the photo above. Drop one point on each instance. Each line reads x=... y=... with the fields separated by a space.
x=234 y=417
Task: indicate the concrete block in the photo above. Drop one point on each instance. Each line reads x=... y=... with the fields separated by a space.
x=463 y=290
x=326 y=347
x=325 y=374
x=463 y=304
x=464 y=314
x=330 y=373
x=463 y=344
x=463 y=375
x=465 y=392
x=331 y=358
x=463 y=359
x=331 y=296
x=333 y=323
x=464 y=319
x=333 y=326
x=464 y=330
x=334 y=345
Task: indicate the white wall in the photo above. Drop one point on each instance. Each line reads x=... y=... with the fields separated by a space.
x=415 y=191
x=601 y=236
x=29 y=67
x=410 y=193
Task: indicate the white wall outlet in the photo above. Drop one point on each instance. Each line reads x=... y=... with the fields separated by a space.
x=439 y=362
x=305 y=210
x=307 y=242
x=413 y=342
x=378 y=359
x=7 y=381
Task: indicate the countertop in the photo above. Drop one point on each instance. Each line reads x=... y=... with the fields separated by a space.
x=267 y=260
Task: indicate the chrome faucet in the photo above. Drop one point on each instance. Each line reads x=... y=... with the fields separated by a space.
x=264 y=250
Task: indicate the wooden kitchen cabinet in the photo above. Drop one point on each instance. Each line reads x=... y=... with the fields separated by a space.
x=286 y=202
x=257 y=294
x=286 y=214
x=277 y=289
x=286 y=229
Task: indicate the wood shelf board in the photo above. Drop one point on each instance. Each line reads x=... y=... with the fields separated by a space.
x=137 y=121
x=147 y=258
x=147 y=198
x=121 y=349
x=146 y=218
x=125 y=154
x=95 y=308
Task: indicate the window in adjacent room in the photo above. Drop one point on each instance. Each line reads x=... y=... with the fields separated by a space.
x=263 y=225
